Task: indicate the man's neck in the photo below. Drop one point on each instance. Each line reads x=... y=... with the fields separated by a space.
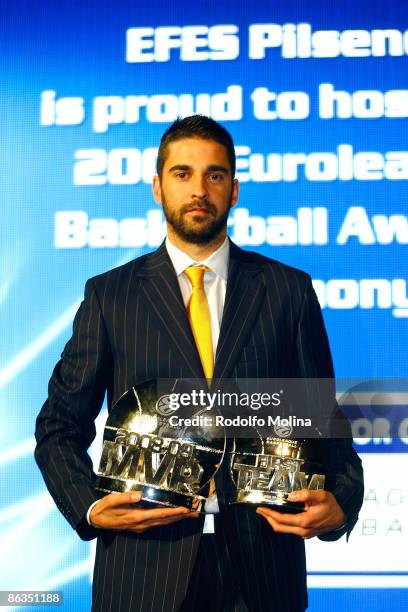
x=198 y=252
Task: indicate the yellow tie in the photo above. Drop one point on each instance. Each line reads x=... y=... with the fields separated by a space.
x=200 y=321
x=199 y=315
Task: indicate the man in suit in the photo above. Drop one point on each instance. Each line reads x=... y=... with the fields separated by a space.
x=134 y=324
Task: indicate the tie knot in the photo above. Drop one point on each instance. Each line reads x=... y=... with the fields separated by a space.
x=195 y=275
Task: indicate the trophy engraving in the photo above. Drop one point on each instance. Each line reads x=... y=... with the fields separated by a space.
x=266 y=470
x=142 y=451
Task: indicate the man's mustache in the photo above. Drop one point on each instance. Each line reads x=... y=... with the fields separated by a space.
x=202 y=205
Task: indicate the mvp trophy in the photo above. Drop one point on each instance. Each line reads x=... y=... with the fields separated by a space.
x=144 y=448
x=266 y=469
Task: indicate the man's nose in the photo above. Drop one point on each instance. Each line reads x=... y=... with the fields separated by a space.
x=199 y=187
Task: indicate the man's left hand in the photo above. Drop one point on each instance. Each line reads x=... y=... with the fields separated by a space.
x=322 y=513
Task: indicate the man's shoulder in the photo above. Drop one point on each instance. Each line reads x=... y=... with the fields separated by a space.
x=268 y=265
x=140 y=265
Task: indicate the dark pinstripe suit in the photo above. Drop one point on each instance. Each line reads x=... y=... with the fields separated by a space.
x=132 y=326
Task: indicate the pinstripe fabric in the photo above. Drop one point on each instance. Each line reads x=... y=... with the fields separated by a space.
x=213 y=585
x=133 y=326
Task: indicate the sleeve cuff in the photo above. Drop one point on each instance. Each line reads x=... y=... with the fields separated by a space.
x=88 y=514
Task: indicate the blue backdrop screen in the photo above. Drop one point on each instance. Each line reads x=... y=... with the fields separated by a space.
x=315 y=96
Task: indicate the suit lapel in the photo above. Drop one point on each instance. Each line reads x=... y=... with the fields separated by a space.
x=243 y=299
x=162 y=292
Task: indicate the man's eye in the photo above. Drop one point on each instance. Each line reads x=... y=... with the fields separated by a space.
x=181 y=175
x=216 y=177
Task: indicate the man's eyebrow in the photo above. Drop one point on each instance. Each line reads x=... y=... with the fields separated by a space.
x=217 y=168
x=183 y=167
x=212 y=168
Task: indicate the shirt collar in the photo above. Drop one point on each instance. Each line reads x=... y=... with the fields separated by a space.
x=217 y=261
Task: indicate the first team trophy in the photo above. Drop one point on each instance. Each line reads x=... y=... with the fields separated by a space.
x=266 y=469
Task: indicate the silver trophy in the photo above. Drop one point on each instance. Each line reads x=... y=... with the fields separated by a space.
x=144 y=449
x=266 y=469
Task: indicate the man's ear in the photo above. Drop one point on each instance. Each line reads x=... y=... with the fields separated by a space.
x=157 y=190
x=235 y=192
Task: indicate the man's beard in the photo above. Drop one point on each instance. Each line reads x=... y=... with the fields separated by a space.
x=205 y=230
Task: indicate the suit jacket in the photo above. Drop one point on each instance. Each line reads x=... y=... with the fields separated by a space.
x=132 y=326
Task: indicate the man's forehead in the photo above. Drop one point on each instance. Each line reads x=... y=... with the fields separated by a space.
x=196 y=150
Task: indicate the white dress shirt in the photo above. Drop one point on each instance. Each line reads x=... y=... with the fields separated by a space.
x=215 y=286
x=215 y=282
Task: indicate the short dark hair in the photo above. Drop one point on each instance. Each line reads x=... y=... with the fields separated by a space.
x=195 y=126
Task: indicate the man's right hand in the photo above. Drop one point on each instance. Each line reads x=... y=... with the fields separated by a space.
x=118 y=511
